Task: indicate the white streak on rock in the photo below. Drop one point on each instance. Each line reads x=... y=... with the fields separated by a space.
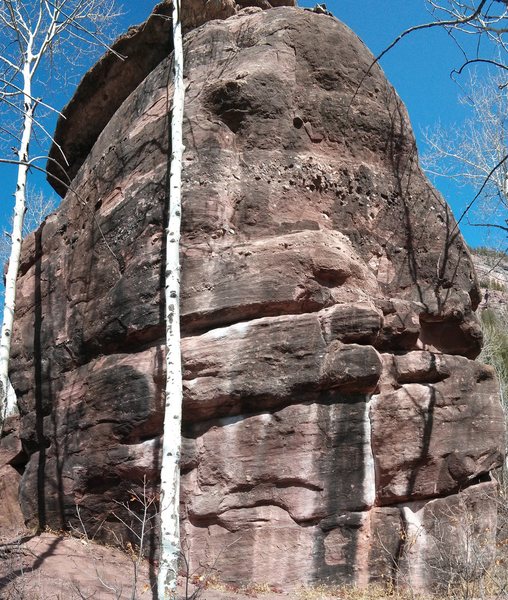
x=369 y=469
x=414 y=548
x=238 y=329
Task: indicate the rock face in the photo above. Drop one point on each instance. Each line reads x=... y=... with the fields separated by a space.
x=61 y=566
x=335 y=423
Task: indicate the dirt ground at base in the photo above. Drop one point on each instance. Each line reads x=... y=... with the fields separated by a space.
x=61 y=567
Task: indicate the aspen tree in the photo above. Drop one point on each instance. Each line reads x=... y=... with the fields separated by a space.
x=170 y=466
x=474 y=152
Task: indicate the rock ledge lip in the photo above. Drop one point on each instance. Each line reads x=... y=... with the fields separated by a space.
x=102 y=90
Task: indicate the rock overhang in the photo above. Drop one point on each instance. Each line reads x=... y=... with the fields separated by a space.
x=122 y=68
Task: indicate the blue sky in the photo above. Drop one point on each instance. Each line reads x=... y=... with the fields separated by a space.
x=419 y=68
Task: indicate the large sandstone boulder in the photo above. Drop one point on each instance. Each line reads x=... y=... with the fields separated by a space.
x=332 y=405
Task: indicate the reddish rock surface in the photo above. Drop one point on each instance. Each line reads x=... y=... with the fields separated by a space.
x=331 y=399
x=53 y=566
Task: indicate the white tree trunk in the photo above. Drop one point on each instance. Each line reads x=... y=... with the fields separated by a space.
x=170 y=467
x=8 y=401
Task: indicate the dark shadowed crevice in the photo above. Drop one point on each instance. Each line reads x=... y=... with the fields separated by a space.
x=42 y=442
x=19 y=462
x=343 y=463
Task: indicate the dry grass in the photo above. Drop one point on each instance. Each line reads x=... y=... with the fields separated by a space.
x=316 y=592
x=372 y=592
x=253 y=589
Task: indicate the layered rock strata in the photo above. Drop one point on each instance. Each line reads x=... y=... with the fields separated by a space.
x=335 y=422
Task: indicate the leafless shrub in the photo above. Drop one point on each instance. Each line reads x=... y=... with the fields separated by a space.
x=138 y=516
